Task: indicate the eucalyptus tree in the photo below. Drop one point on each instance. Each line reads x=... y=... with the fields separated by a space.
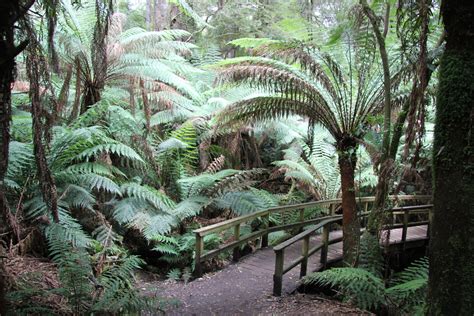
x=338 y=87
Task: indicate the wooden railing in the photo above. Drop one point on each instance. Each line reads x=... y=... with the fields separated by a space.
x=264 y=216
x=325 y=241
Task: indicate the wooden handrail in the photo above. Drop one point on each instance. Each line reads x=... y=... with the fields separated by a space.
x=325 y=224
x=218 y=227
x=200 y=256
x=296 y=238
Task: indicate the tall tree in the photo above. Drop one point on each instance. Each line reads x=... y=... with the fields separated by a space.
x=451 y=277
x=329 y=89
x=386 y=163
x=41 y=93
x=10 y=12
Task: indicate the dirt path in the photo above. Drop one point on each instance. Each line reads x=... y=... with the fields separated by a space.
x=243 y=288
x=233 y=298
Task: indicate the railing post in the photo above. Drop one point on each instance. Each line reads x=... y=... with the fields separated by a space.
x=236 y=251
x=405 y=227
x=430 y=221
x=266 y=219
x=278 y=276
x=304 y=253
x=301 y=219
x=365 y=218
x=197 y=255
x=325 y=242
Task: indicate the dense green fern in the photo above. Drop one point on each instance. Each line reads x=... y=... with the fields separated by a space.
x=354 y=284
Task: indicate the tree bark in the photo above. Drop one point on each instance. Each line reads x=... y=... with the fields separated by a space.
x=46 y=179
x=64 y=94
x=148 y=10
x=10 y=12
x=131 y=92
x=161 y=16
x=386 y=164
x=350 y=220
x=94 y=86
x=451 y=276
x=146 y=106
x=52 y=21
x=77 y=96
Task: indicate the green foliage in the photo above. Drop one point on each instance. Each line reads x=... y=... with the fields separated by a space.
x=367 y=290
x=172 y=139
x=178 y=250
x=370 y=255
x=356 y=285
x=410 y=286
x=87 y=286
x=187 y=135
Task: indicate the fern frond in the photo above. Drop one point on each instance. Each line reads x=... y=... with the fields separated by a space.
x=364 y=288
x=146 y=193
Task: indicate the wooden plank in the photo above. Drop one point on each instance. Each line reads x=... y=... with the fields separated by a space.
x=266 y=220
x=236 y=251
x=324 y=249
x=278 y=276
x=304 y=253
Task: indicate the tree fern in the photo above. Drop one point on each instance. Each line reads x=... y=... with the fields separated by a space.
x=367 y=290
x=355 y=284
x=410 y=286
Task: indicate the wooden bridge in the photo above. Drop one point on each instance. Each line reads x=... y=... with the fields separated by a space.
x=318 y=243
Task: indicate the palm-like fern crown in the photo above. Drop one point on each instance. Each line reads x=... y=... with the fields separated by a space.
x=154 y=56
x=337 y=86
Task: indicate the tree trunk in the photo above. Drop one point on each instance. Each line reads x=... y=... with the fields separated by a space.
x=77 y=96
x=146 y=106
x=386 y=165
x=52 y=19
x=92 y=95
x=63 y=95
x=10 y=12
x=161 y=16
x=451 y=276
x=131 y=91
x=93 y=88
x=148 y=10
x=40 y=128
x=350 y=221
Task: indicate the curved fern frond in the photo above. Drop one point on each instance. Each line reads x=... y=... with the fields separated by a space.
x=156 y=198
x=356 y=284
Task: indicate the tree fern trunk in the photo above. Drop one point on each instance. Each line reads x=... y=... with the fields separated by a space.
x=40 y=129
x=78 y=93
x=350 y=221
x=64 y=94
x=146 y=106
x=451 y=277
x=52 y=21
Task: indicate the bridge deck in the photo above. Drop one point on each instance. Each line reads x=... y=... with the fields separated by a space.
x=238 y=287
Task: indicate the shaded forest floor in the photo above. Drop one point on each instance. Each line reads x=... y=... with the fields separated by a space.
x=243 y=288
x=217 y=293
x=234 y=297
